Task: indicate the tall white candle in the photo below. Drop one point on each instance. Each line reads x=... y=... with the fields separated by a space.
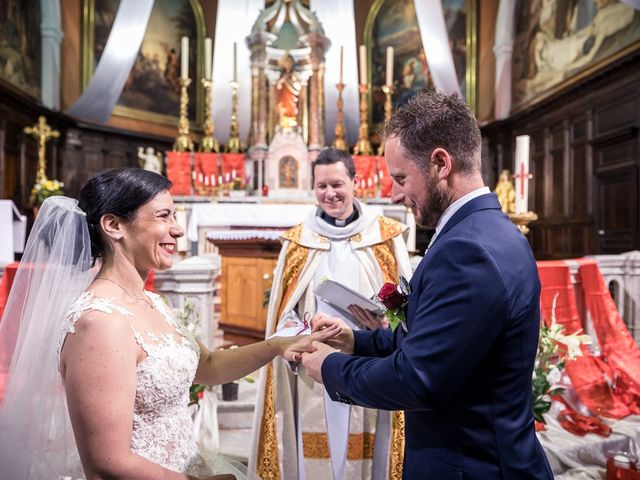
x=363 y=65
x=389 y=66
x=521 y=175
x=341 y=61
x=235 y=62
x=184 y=58
x=207 y=58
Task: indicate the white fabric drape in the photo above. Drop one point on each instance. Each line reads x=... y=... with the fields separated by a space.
x=338 y=22
x=105 y=87
x=435 y=41
x=233 y=24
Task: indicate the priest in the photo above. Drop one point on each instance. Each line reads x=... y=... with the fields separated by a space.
x=299 y=432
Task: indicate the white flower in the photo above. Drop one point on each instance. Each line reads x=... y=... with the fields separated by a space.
x=573 y=343
x=554 y=375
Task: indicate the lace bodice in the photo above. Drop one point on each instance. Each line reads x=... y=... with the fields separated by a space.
x=162 y=426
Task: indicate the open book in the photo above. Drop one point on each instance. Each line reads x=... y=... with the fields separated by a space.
x=341 y=297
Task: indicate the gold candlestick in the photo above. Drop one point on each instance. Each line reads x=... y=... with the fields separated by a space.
x=209 y=142
x=388 y=90
x=363 y=146
x=234 y=145
x=339 y=142
x=42 y=132
x=183 y=142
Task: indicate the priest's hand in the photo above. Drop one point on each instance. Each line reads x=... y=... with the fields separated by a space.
x=367 y=318
x=343 y=341
x=312 y=362
x=291 y=348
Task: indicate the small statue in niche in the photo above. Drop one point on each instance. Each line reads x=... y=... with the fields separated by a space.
x=288 y=172
x=287 y=94
x=506 y=192
x=149 y=160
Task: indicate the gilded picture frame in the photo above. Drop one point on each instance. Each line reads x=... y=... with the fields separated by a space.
x=151 y=92
x=394 y=23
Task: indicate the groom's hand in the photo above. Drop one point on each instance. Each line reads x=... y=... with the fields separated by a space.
x=343 y=341
x=312 y=362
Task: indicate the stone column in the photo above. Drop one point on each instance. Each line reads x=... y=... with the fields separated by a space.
x=51 y=39
x=192 y=280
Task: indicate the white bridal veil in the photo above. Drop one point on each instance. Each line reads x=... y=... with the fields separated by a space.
x=36 y=440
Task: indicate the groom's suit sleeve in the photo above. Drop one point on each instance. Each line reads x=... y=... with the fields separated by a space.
x=455 y=314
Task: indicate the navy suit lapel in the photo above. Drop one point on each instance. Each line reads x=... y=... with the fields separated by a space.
x=488 y=201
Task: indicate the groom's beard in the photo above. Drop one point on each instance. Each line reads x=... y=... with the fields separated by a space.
x=436 y=203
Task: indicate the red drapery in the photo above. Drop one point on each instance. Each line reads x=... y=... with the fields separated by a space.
x=205 y=167
x=179 y=172
x=231 y=162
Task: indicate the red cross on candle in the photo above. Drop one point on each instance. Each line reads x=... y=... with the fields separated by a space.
x=521 y=176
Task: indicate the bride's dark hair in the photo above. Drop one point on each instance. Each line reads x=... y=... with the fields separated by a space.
x=121 y=192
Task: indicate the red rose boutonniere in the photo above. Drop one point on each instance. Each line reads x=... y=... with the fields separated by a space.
x=394 y=298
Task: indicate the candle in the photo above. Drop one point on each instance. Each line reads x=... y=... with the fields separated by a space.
x=521 y=176
x=233 y=173
x=201 y=178
x=184 y=58
x=227 y=177
x=363 y=65
x=220 y=179
x=235 y=62
x=369 y=182
x=193 y=175
x=206 y=180
x=381 y=175
x=341 y=61
x=213 y=180
x=207 y=58
x=375 y=178
x=389 y=66
x=363 y=184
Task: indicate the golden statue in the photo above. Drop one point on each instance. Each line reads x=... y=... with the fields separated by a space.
x=506 y=192
x=287 y=95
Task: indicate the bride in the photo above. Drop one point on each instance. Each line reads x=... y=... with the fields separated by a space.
x=99 y=370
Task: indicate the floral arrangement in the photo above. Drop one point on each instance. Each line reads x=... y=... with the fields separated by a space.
x=554 y=349
x=394 y=299
x=44 y=189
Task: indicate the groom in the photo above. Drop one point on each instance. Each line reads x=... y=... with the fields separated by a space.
x=462 y=369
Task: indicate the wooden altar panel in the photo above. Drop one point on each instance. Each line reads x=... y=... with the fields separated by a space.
x=247 y=272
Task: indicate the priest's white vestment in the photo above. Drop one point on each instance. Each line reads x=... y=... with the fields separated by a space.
x=299 y=432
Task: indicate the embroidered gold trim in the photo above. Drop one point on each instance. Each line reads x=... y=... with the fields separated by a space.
x=316 y=446
x=294 y=233
x=267 y=463
x=389 y=228
x=397 y=446
x=387 y=261
x=356 y=238
x=294 y=262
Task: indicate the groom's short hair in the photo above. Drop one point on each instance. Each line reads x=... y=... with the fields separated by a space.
x=433 y=119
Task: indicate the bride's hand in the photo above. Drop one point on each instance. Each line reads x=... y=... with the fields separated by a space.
x=293 y=347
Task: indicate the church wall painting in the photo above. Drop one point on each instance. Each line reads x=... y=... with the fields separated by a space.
x=557 y=42
x=21 y=45
x=152 y=90
x=394 y=23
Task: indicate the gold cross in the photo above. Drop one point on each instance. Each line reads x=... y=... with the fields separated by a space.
x=42 y=132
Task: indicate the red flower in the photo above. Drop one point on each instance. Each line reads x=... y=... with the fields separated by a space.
x=200 y=395
x=391 y=297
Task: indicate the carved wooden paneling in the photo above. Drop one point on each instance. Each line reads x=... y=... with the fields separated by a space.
x=585 y=160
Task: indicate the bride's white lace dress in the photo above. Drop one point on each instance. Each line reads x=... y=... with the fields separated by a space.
x=162 y=424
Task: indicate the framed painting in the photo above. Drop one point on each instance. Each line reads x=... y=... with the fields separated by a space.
x=21 y=45
x=393 y=23
x=152 y=90
x=558 y=43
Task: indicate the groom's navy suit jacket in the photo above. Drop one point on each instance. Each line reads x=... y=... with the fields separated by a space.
x=462 y=372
